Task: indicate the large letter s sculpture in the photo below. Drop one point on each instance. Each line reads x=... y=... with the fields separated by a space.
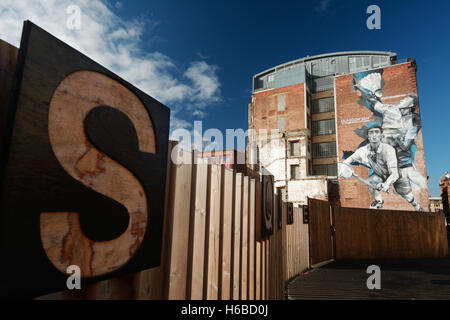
x=62 y=236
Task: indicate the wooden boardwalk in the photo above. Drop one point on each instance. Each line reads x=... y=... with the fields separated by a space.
x=406 y=279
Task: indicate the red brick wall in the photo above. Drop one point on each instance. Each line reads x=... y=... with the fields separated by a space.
x=399 y=80
x=266 y=113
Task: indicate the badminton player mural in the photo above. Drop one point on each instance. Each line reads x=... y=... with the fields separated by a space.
x=389 y=145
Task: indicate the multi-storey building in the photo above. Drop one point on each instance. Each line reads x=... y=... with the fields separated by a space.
x=444 y=184
x=436 y=204
x=321 y=108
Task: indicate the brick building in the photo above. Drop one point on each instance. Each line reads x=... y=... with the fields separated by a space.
x=320 y=114
x=436 y=204
x=444 y=184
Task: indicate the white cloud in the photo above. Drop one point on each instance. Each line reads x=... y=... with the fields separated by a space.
x=117 y=44
x=323 y=6
x=206 y=82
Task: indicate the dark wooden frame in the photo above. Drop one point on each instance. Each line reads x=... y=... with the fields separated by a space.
x=32 y=181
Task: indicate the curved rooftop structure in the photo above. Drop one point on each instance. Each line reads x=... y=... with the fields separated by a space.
x=324 y=65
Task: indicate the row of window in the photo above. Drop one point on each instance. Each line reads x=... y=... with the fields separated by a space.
x=318 y=106
x=319 y=150
x=322 y=105
x=315 y=170
x=322 y=127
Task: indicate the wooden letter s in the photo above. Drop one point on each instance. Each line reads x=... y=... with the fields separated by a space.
x=62 y=237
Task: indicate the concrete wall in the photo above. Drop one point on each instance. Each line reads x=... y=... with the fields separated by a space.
x=400 y=80
x=312 y=187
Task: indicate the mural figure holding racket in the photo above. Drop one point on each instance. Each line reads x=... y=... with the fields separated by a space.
x=381 y=158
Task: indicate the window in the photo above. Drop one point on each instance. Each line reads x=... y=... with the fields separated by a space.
x=295 y=172
x=270 y=80
x=309 y=146
x=281 y=102
x=281 y=122
x=323 y=127
x=324 y=149
x=295 y=148
x=359 y=62
x=308 y=122
x=378 y=61
x=325 y=170
x=322 y=105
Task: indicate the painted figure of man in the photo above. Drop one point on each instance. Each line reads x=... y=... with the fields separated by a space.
x=382 y=159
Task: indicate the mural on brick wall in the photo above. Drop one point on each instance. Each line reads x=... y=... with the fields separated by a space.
x=389 y=143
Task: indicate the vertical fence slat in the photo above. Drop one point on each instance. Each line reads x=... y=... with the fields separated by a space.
x=197 y=230
x=244 y=241
x=267 y=275
x=228 y=186
x=179 y=225
x=236 y=237
x=251 y=242
x=263 y=270
x=213 y=231
x=258 y=278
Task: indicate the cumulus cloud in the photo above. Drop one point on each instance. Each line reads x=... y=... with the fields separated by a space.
x=117 y=44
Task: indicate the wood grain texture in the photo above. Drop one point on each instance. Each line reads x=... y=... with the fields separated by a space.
x=236 y=239
x=258 y=205
x=263 y=270
x=228 y=190
x=320 y=232
x=211 y=285
x=251 y=241
x=62 y=236
x=297 y=239
x=383 y=234
x=179 y=212
x=197 y=230
x=244 y=240
x=258 y=270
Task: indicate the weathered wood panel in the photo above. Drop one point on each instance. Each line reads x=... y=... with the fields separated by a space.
x=211 y=289
x=297 y=239
x=236 y=240
x=178 y=233
x=251 y=242
x=383 y=234
x=244 y=240
x=320 y=231
x=228 y=190
x=258 y=270
x=197 y=231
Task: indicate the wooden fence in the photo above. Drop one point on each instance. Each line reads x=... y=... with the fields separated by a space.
x=320 y=231
x=377 y=234
x=210 y=249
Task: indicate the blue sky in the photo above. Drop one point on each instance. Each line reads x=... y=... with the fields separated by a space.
x=198 y=57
